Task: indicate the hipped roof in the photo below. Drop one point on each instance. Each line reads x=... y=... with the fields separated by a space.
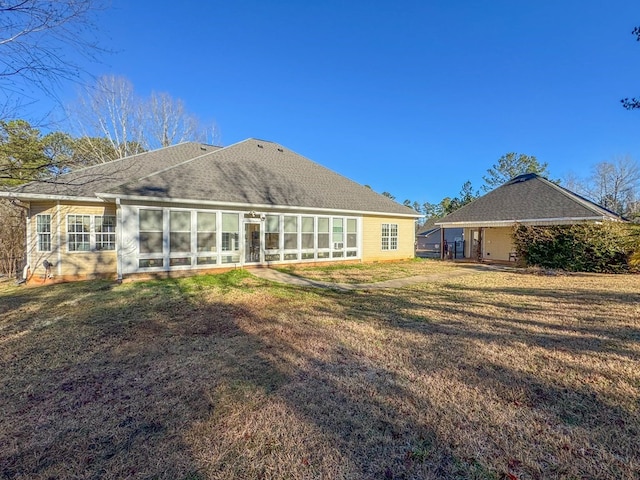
x=252 y=172
x=527 y=199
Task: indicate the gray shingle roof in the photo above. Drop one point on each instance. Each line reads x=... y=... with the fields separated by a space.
x=527 y=198
x=253 y=172
x=86 y=182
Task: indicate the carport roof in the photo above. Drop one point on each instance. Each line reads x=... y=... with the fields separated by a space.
x=528 y=199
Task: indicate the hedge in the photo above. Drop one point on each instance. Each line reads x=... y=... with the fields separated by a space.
x=609 y=247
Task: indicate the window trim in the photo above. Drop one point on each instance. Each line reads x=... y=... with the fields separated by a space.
x=391 y=237
x=78 y=234
x=98 y=245
x=40 y=235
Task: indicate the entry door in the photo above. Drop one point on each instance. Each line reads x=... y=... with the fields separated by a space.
x=252 y=243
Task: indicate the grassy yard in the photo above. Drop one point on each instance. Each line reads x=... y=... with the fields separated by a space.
x=490 y=375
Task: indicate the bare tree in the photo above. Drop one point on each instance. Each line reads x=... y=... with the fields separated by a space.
x=42 y=43
x=114 y=122
x=614 y=184
x=110 y=111
x=168 y=122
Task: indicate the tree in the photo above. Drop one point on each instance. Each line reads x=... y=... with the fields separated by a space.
x=22 y=153
x=511 y=165
x=615 y=185
x=110 y=111
x=168 y=122
x=41 y=44
x=116 y=122
x=632 y=103
x=388 y=195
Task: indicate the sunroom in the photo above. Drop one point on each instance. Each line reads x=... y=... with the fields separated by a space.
x=167 y=238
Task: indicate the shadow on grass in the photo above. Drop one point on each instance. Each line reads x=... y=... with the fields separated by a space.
x=153 y=379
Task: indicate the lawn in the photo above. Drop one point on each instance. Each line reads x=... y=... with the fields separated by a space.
x=488 y=375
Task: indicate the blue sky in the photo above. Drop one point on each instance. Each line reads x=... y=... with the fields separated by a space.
x=411 y=97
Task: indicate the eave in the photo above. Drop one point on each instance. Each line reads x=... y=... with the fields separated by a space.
x=111 y=197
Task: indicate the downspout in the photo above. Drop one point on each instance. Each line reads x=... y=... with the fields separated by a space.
x=118 y=240
x=441 y=243
x=59 y=237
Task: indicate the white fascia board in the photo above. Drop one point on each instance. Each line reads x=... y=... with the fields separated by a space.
x=528 y=221
x=42 y=196
x=251 y=206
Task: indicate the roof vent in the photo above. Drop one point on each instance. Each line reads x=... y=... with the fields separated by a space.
x=280 y=150
x=260 y=146
x=202 y=147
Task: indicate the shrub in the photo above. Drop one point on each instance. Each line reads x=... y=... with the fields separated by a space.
x=608 y=247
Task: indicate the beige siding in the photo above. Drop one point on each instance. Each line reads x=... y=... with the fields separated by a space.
x=68 y=264
x=497 y=243
x=372 y=239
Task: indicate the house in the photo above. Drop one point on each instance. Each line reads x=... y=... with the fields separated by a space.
x=193 y=208
x=528 y=199
x=431 y=244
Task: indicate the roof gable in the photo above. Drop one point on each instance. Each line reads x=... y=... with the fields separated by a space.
x=528 y=198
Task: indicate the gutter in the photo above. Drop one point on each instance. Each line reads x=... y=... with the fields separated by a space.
x=110 y=197
x=530 y=221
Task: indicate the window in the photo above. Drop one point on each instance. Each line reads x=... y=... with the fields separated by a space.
x=78 y=233
x=150 y=231
x=389 y=236
x=338 y=233
x=230 y=237
x=271 y=232
x=206 y=241
x=323 y=232
x=105 y=227
x=43 y=228
x=290 y=233
x=352 y=233
x=307 y=237
x=180 y=232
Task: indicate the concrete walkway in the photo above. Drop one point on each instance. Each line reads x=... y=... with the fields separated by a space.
x=280 y=277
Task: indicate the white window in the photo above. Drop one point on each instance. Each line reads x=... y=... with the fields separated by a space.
x=272 y=232
x=290 y=232
x=230 y=238
x=180 y=232
x=43 y=229
x=78 y=233
x=206 y=238
x=206 y=241
x=105 y=227
x=150 y=228
x=389 y=236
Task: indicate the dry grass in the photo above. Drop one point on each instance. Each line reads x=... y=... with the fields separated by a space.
x=373 y=272
x=492 y=375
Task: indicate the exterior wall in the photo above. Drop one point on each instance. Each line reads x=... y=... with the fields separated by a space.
x=372 y=239
x=68 y=264
x=497 y=243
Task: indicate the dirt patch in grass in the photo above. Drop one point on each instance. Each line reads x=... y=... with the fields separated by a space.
x=481 y=376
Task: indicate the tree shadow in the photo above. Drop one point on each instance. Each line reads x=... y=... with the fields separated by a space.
x=155 y=381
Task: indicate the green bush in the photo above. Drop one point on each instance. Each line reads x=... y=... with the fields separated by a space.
x=609 y=247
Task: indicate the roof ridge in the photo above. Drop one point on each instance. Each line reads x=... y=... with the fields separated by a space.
x=126 y=158
x=166 y=169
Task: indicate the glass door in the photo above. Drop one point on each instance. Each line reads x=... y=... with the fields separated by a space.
x=252 y=243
